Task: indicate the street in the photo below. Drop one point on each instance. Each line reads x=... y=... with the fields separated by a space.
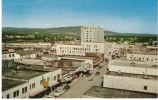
x=80 y=85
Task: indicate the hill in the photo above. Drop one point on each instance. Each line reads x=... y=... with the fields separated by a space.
x=75 y=30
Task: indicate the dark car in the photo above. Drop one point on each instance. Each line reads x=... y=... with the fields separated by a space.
x=67 y=87
x=97 y=73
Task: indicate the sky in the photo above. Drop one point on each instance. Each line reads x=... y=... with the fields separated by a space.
x=124 y=16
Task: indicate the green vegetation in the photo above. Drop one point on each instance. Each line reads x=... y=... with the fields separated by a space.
x=10 y=34
x=132 y=38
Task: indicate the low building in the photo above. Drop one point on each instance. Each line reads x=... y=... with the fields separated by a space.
x=25 y=54
x=132 y=82
x=136 y=67
x=7 y=55
x=24 y=82
x=91 y=61
x=133 y=76
x=149 y=57
x=27 y=45
x=105 y=92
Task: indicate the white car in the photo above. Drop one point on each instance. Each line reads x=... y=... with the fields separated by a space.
x=48 y=96
x=58 y=92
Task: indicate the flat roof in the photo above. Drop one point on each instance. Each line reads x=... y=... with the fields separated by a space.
x=25 y=52
x=127 y=63
x=103 y=92
x=50 y=56
x=79 y=57
x=26 y=73
x=131 y=75
x=8 y=83
x=64 y=57
x=6 y=52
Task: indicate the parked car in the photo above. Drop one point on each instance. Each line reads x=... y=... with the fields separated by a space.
x=66 y=87
x=58 y=92
x=90 y=80
x=48 y=96
x=88 y=74
x=97 y=73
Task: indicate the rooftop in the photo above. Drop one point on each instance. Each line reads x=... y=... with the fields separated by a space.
x=26 y=52
x=6 y=52
x=127 y=63
x=79 y=57
x=25 y=73
x=131 y=75
x=50 y=55
x=103 y=92
x=8 y=83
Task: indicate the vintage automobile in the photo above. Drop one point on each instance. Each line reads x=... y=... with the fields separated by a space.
x=97 y=73
x=58 y=92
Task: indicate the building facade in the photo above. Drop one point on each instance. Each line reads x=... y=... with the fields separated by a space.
x=92 y=33
x=24 y=86
x=133 y=76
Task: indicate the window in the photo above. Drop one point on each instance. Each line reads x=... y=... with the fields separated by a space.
x=48 y=78
x=41 y=81
x=33 y=85
x=16 y=93
x=145 y=87
x=12 y=55
x=9 y=55
x=155 y=58
x=54 y=77
x=25 y=89
x=8 y=96
x=147 y=59
x=58 y=76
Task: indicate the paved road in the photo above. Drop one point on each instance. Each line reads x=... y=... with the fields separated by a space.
x=80 y=85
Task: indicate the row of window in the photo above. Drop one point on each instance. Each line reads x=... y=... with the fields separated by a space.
x=5 y=55
x=24 y=90
x=142 y=59
x=86 y=49
x=89 y=28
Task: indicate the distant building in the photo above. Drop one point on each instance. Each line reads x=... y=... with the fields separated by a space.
x=27 y=45
x=148 y=55
x=26 y=54
x=7 y=55
x=92 y=34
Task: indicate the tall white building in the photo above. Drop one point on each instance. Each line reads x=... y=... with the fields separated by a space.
x=92 y=33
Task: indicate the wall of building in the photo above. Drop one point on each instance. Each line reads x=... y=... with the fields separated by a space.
x=34 y=85
x=135 y=70
x=70 y=50
x=48 y=76
x=8 y=56
x=129 y=83
x=12 y=90
x=150 y=59
x=92 y=33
